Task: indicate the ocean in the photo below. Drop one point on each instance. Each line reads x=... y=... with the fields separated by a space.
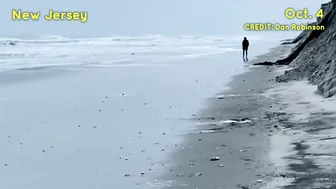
x=47 y=51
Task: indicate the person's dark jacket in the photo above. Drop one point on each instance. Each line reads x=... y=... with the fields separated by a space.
x=245 y=44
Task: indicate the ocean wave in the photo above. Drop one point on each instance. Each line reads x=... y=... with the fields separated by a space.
x=39 y=40
x=53 y=50
x=147 y=40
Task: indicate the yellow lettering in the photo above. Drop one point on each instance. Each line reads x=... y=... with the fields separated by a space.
x=25 y=16
x=50 y=16
x=299 y=14
x=35 y=16
x=69 y=15
x=290 y=13
x=252 y=27
x=319 y=14
x=76 y=16
x=16 y=14
x=246 y=27
x=63 y=15
x=53 y=15
x=56 y=16
x=305 y=12
x=84 y=17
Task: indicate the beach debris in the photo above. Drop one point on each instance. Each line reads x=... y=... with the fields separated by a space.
x=198 y=174
x=6 y=165
x=274 y=114
x=220 y=165
x=163 y=133
x=214 y=158
x=275 y=126
x=94 y=127
x=322 y=179
x=142 y=174
x=127 y=175
x=261 y=181
x=233 y=121
x=211 y=118
x=199 y=139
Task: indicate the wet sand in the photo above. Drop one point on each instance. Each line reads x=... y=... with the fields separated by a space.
x=100 y=127
x=229 y=146
x=127 y=126
x=305 y=147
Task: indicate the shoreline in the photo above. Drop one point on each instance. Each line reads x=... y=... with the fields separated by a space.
x=91 y=125
x=295 y=121
x=235 y=127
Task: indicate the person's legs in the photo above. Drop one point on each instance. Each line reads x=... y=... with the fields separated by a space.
x=246 y=54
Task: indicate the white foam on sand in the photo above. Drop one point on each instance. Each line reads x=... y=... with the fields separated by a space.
x=277 y=183
x=221 y=122
x=300 y=99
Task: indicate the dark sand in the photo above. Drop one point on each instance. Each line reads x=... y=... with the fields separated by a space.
x=241 y=146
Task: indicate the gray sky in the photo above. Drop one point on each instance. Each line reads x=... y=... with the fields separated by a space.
x=143 y=17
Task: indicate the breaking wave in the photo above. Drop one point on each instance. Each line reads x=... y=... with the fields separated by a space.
x=26 y=52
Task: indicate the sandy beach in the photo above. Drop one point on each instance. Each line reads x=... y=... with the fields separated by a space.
x=119 y=125
x=158 y=95
x=148 y=125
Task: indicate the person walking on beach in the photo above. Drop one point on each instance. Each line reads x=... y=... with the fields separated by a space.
x=245 y=45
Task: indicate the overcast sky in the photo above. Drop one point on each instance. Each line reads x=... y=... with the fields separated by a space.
x=143 y=17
